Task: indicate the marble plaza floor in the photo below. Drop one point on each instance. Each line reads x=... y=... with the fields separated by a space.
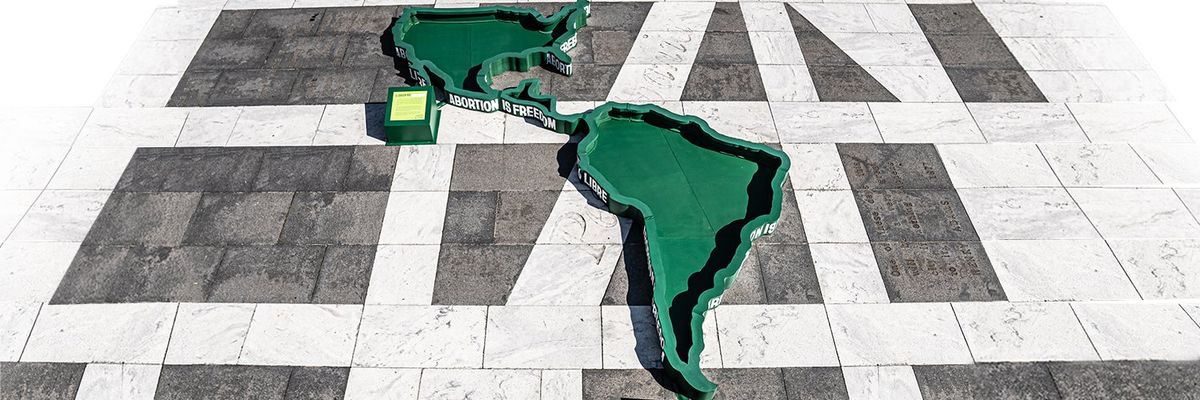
x=988 y=200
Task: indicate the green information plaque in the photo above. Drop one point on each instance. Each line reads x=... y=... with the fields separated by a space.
x=412 y=116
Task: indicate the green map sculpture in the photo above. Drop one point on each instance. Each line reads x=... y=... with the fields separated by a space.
x=703 y=197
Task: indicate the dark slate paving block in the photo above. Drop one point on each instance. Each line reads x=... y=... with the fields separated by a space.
x=40 y=381
x=820 y=50
x=788 y=274
x=309 y=52
x=194 y=88
x=371 y=168
x=191 y=169
x=335 y=218
x=757 y=383
x=1118 y=380
x=345 y=274
x=509 y=167
x=230 y=24
x=727 y=17
x=725 y=48
x=366 y=50
x=789 y=229
x=232 y=54
x=619 y=16
x=588 y=82
x=478 y=274
x=222 y=382
x=303 y=168
x=724 y=82
x=252 y=87
x=986 y=381
x=630 y=283
x=800 y=24
x=333 y=86
x=267 y=274
x=748 y=287
x=470 y=217
x=815 y=384
x=894 y=166
x=606 y=47
x=848 y=84
x=137 y=218
x=972 y=51
x=385 y=78
x=520 y=216
x=285 y=22
x=937 y=272
x=900 y=215
x=127 y=274
x=238 y=218
x=365 y=20
x=317 y=383
x=995 y=86
x=951 y=18
x=610 y=384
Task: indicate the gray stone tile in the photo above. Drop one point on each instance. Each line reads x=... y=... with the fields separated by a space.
x=609 y=384
x=724 y=82
x=40 y=381
x=135 y=218
x=605 y=47
x=317 y=383
x=1113 y=380
x=894 y=166
x=129 y=274
x=972 y=51
x=937 y=272
x=477 y=274
x=819 y=50
x=901 y=215
x=366 y=50
x=470 y=217
x=232 y=54
x=815 y=384
x=630 y=283
x=333 y=86
x=756 y=383
x=995 y=86
x=789 y=229
x=309 y=52
x=951 y=18
x=238 y=218
x=748 y=287
x=588 y=82
x=848 y=84
x=520 y=216
x=727 y=17
x=230 y=24
x=335 y=218
x=252 y=87
x=219 y=169
x=267 y=274
x=385 y=78
x=725 y=48
x=371 y=168
x=985 y=381
x=620 y=16
x=222 y=382
x=359 y=20
x=303 y=168
x=788 y=274
x=345 y=274
x=510 y=167
x=284 y=22
x=194 y=88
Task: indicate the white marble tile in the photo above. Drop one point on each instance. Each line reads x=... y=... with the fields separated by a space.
x=769 y=336
x=831 y=216
x=766 y=17
x=256 y=4
x=326 y=3
x=30 y=272
x=1137 y=213
x=788 y=83
x=1036 y=270
x=777 y=48
x=747 y=120
x=46 y=126
x=1129 y=122
x=421 y=336
x=562 y=384
x=460 y=125
x=881 y=49
x=630 y=336
x=414 y=218
x=996 y=165
x=121 y=127
x=342 y=124
x=543 y=337
x=383 y=384
x=653 y=47
x=158 y=57
x=16 y=321
x=565 y=275
x=178 y=24
x=1051 y=20
x=834 y=18
x=892 y=18
x=925 y=123
x=650 y=82
x=520 y=130
x=816 y=167
x=424 y=168
x=1020 y=332
x=110 y=333
x=60 y=216
x=458 y=384
x=277 y=126
x=1174 y=164
x=848 y=273
x=94 y=168
x=138 y=91
x=897 y=382
x=118 y=381
x=29 y=167
x=1194 y=310
x=1027 y=122
x=825 y=122
x=1161 y=269
x=1191 y=199
x=1025 y=213
x=13 y=205
x=578 y=218
x=678 y=16
x=890 y=334
x=209 y=333
x=1100 y=86
x=403 y=275
x=919 y=84
x=1059 y=54
x=208 y=126
x=1140 y=331
x=301 y=334
x=1101 y=164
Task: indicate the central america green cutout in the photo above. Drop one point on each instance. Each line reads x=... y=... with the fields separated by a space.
x=703 y=197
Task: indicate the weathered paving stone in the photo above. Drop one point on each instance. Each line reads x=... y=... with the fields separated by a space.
x=267 y=274
x=789 y=229
x=972 y=51
x=724 y=82
x=520 y=216
x=588 y=82
x=317 y=383
x=727 y=17
x=285 y=22
x=607 y=47
x=230 y=54
x=848 y=84
x=607 y=384
x=725 y=47
x=1113 y=380
x=937 y=272
x=309 y=52
x=222 y=382
x=630 y=283
x=252 y=87
x=190 y=169
x=238 y=218
x=995 y=86
x=131 y=274
x=893 y=166
x=986 y=381
x=366 y=50
x=470 y=217
x=522 y=167
x=372 y=168
x=357 y=20
x=478 y=274
x=194 y=88
x=914 y=216
x=619 y=16
x=40 y=381
x=288 y=169
x=230 y=24
x=143 y=218
x=333 y=86
x=335 y=218
x=962 y=19
x=788 y=274
x=748 y=287
x=757 y=383
x=815 y=383
x=345 y=274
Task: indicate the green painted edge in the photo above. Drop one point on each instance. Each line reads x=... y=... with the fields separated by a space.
x=697 y=385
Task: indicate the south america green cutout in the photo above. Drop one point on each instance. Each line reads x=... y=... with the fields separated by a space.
x=703 y=197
